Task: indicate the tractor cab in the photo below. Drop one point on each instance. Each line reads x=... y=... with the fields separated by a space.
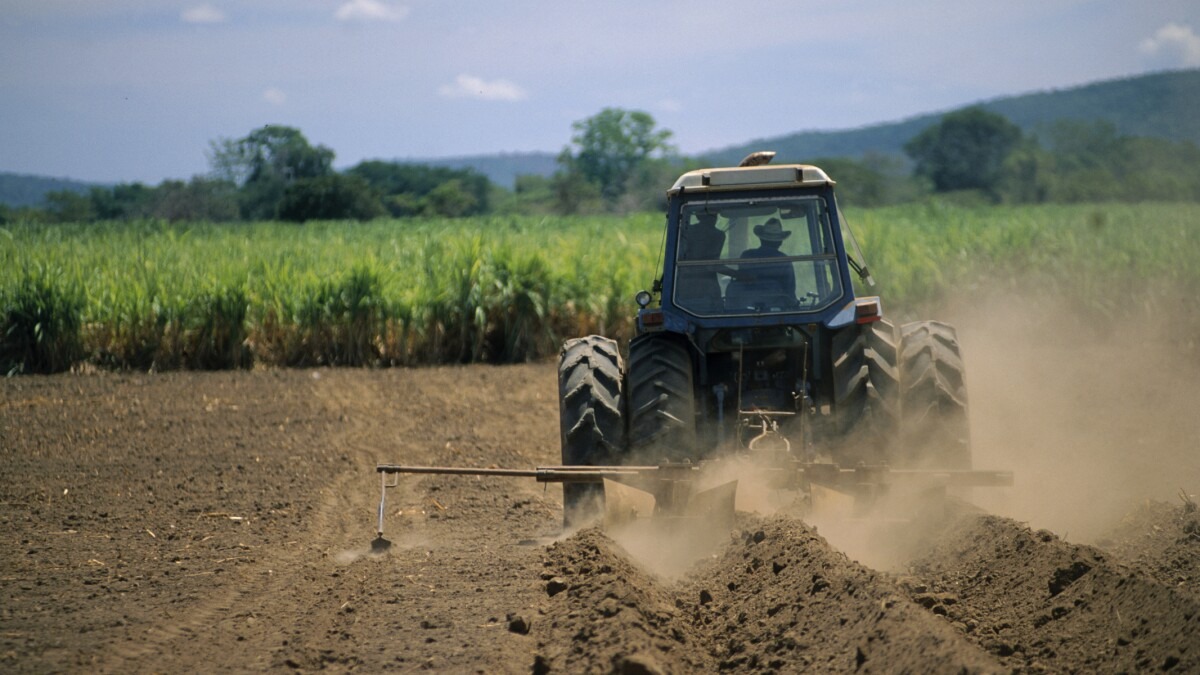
x=750 y=257
x=753 y=246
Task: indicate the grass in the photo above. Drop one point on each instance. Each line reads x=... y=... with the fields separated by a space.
x=154 y=296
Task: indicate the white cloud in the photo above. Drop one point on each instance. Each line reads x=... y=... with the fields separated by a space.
x=370 y=10
x=469 y=86
x=205 y=13
x=274 y=96
x=1175 y=42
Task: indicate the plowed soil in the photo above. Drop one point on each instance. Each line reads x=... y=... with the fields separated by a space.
x=193 y=522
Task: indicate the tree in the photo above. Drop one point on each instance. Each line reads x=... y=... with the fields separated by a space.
x=965 y=151
x=123 y=201
x=199 y=199
x=68 y=206
x=863 y=183
x=609 y=148
x=334 y=197
x=573 y=193
x=531 y=194
x=416 y=189
x=450 y=199
x=264 y=163
x=1028 y=173
x=22 y=214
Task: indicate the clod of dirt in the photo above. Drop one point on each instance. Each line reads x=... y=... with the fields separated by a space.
x=638 y=664
x=518 y=624
x=555 y=586
x=1065 y=576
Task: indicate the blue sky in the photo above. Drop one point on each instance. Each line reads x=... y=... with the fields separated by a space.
x=124 y=90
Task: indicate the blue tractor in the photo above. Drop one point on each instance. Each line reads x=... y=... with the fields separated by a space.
x=754 y=332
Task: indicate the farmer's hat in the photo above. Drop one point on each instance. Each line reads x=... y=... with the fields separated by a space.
x=771 y=230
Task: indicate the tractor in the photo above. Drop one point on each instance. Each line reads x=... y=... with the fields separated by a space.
x=753 y=340
x=752 y=346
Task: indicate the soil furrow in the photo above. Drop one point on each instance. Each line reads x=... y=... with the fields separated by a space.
x=222 y=521
x=1039 y=603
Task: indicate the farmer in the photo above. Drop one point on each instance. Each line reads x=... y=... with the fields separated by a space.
x=766 y=284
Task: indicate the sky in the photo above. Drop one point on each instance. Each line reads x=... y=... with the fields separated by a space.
x=135 y=90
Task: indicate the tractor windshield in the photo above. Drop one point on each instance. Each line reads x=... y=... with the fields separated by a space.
x=756 y=256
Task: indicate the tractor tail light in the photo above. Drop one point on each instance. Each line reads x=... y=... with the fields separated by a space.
x=652 y=318
x=867 y=310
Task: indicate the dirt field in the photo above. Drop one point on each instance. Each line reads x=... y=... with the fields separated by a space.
x=189 y=522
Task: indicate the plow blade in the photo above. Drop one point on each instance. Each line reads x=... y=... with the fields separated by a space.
x=831 y=503
x=715 y=505
x=624 y=503
x=881 y=492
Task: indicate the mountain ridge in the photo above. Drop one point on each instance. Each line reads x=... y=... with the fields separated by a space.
x=1161 y=104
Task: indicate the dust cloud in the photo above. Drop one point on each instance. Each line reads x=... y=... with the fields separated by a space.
x=669 y=550
x=1092 y=417
x=671 y=547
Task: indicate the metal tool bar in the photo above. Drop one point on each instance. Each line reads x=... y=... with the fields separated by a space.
x=882 y=474
x=456 y=471
x=820 y=472
x=964 y=477
x=545 y=474
x=673 y=485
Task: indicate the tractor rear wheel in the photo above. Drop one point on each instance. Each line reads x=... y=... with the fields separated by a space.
x=933 y=398
x=590 y=416
x=866 y=379
x=662 y=403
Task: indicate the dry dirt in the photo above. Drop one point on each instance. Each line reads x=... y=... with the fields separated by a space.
x=189 y=522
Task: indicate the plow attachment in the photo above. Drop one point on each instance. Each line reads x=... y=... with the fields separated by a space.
x=686 y=491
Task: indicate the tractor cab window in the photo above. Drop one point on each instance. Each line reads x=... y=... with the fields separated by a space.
x=754 y=257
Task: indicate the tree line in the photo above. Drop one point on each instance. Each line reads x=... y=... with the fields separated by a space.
x=621 y=161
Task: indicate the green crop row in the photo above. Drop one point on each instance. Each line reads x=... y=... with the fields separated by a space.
x=1132 y=261
x=151 y=295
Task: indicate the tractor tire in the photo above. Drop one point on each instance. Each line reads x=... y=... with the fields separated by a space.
x=662 y=400
x=933 y=398
x=590 y=416
x=866 y=390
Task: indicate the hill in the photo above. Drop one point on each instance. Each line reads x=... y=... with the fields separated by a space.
x=1161 y=105
x=17 y=190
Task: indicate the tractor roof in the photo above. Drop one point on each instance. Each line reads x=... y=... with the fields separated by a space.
x=751 y=178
